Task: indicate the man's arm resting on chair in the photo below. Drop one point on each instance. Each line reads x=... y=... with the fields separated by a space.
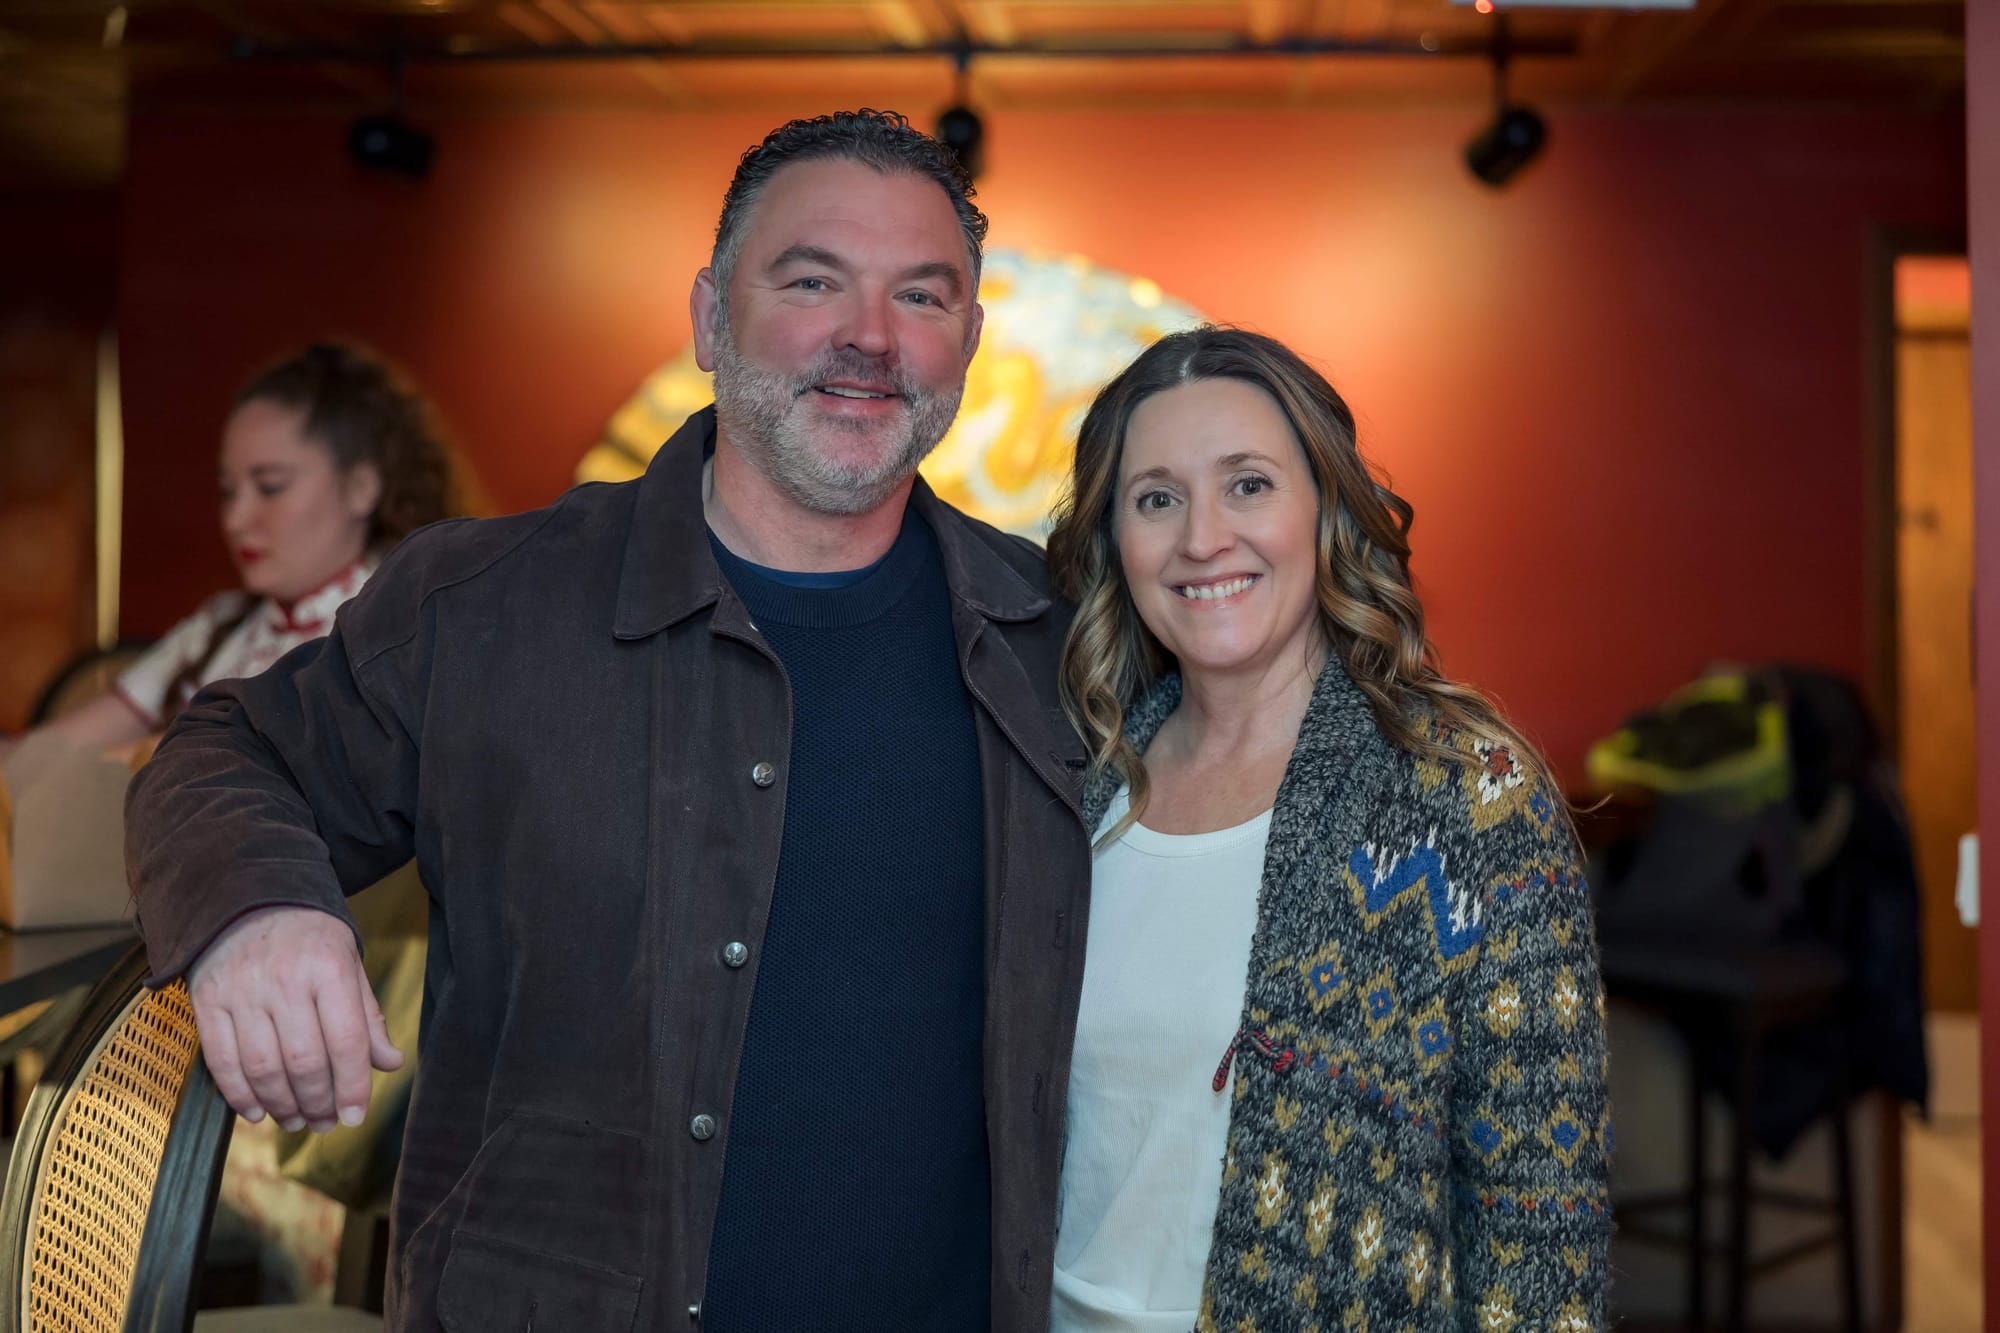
x=268 y=800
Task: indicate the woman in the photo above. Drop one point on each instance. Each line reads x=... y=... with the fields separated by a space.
x=328 y=459
x=1407 y=1124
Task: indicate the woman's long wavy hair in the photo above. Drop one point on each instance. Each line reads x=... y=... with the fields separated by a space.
x=1369 y=612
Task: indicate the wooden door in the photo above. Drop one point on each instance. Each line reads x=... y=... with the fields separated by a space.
x=1934 y=631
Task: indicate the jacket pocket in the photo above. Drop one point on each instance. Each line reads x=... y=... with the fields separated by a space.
x=571 y=1192
x=492 y=1286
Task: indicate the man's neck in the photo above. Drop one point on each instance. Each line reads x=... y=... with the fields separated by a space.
x=757 y=521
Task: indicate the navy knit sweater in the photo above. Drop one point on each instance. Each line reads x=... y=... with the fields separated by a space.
x=856 y=1193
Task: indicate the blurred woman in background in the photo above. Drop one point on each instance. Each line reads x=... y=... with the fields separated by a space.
x=328 y=459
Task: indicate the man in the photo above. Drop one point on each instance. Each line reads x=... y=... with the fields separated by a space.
x=748 y=816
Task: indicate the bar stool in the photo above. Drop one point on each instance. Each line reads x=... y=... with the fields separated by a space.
x=1747 y=996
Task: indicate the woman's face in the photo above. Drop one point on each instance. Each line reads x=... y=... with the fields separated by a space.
x=293 y=520
x=1215 y=523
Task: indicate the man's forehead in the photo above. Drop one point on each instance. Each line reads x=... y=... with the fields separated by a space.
x=805 y=199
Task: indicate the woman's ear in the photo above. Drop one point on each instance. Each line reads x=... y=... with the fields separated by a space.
x=362 y=489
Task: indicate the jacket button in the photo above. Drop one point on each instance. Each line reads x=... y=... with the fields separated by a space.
x=763 y=774
x=702 y=1128
x=735 y=954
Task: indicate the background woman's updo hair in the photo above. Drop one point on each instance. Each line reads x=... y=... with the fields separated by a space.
x=361 y=409
x=1369 y=613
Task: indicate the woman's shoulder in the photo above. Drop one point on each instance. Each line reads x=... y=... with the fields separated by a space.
x=1480 y=795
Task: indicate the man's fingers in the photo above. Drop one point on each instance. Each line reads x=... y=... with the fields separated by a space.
x=263 y=1064
x=344 y=1022
x=218 y=1048
x=381 y=1051
x=306 y=1064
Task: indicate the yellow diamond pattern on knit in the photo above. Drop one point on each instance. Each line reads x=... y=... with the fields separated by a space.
x=1377 y=998
x=1564 y=1134
x=1325 y=977
x=1306 y=1292
x=1430 y=1036
x=1419 y=1266
x=1271 y=1194
x=1572 y=1318
x=1567 y=998
x=1336 y=1134
x=1286 y=1113
x=1369 y=1243
x=1354 y=1319
x=1255 y=1265
x=1319 y=1216
x=1496 y=1311
x=1502 y=1013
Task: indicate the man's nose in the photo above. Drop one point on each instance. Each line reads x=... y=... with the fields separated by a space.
x=868 y=328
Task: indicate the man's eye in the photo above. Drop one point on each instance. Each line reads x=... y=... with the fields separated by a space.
x=920 y=298
x=811 y=284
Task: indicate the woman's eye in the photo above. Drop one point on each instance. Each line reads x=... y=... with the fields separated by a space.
x=1153 y=501
x=271 y=490
x=1252 y=485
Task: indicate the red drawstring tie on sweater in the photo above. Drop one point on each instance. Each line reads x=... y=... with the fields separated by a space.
x=1282 y=1061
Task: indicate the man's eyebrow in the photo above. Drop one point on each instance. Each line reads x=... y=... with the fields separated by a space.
x=803 y=253
x=949 y=274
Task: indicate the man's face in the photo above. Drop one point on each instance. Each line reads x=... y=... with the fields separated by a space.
x=851 y=320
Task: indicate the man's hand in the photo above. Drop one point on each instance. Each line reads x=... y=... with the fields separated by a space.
x=288 y=1024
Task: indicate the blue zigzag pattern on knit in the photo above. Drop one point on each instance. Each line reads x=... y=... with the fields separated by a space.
x=1455 y=918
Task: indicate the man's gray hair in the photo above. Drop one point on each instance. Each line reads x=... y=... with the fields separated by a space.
x=883 y=140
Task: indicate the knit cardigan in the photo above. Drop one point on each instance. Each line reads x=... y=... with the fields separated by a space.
x=1419 y=1133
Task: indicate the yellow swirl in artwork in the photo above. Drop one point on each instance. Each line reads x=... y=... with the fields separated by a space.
x=1057 y=327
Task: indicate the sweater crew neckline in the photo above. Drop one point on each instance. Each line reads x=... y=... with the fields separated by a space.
x=856 y=600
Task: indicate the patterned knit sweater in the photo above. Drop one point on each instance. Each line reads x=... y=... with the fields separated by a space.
x=1420 y=1131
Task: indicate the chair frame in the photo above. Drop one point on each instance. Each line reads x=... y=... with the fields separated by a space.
x=162 y=1295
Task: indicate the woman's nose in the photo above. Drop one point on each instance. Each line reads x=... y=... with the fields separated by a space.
x=1206 y=532
x=237 y=513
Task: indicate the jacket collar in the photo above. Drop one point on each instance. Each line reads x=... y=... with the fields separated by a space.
x=1339 y=766
x=669 y=572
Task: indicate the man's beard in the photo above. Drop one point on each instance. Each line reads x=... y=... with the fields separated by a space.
x=760 y=410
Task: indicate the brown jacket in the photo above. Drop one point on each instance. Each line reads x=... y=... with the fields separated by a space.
x=559 y=714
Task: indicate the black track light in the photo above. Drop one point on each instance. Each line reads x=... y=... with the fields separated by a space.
x=1516 y=134
x=389 y=143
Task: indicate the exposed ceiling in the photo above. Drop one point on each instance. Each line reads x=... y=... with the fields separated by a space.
x=71 y=69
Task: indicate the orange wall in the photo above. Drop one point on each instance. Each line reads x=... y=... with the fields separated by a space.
x=1625 y=396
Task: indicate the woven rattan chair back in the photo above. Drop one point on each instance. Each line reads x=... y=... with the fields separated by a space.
x=114 y=1173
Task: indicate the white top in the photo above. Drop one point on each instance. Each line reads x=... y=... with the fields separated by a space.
x=1165 y=969
x=265 y=635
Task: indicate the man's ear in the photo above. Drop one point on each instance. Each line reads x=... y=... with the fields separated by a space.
x=978 y=325
x=703 y=302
